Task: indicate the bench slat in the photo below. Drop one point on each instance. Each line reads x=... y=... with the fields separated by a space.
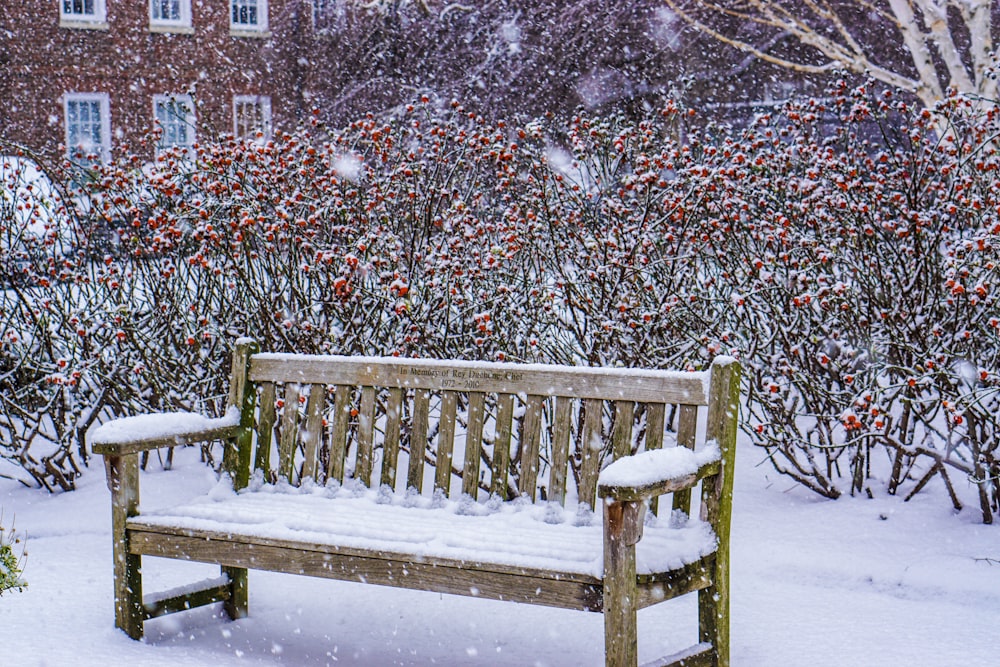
x=473 y=444
x=366 y=436
x=265 y=428
x=487 y=377
x=687 y=428
x=655 y=417
x=592 y=444
x=390 y=448
x=555 y=589
x=289 y=433
x=338 y=432
x=561 y=432
x=446 y=441
x=313 y=434
x=621 y=433
x=418 y=439
x=501 y=446
x=530 y=440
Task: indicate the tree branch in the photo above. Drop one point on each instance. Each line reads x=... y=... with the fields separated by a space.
x=920 y=24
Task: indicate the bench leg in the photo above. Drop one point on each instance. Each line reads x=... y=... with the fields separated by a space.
x=622 y=529
x=237 y=606
x=713 y=622
x=123 y=480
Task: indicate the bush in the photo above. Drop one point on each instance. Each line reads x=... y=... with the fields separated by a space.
x=854 y=274
x=867 y=272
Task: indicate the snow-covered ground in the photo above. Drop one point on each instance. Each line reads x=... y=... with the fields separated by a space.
x=855 y=582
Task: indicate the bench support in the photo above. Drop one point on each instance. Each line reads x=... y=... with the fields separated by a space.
x=171 y=602
x=237 y=605
x=237 y=461
x=123 y=481
x=717 y=506
x=622 y=530
x=130 y=608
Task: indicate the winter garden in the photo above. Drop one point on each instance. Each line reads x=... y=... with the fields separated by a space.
x=852 y=271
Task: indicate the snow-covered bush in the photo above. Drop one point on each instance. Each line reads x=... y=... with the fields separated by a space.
x=866 y=264
x=854 y=273
x=36 y=258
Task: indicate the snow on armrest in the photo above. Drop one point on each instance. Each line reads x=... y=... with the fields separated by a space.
x=656 y=472
x=129 y=435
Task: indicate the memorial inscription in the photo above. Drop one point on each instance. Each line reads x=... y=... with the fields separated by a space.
x=468 y=379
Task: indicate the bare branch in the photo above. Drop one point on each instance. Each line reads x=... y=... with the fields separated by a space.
x=925 y=28
x=837 y=55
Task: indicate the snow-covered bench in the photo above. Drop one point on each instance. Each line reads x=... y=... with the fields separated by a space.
x=511 y=521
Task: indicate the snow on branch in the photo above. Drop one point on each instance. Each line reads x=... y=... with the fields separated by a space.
x=940 y=37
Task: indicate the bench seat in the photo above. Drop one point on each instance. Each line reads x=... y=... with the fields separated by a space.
x=354 y=520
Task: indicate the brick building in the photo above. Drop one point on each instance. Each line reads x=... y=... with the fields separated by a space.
x=89 y=76
x=92 y=76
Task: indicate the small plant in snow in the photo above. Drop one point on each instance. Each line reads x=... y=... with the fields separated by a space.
x=11 y=563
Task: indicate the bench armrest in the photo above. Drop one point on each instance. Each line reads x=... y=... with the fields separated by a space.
x=656 y=472
x=131 y=435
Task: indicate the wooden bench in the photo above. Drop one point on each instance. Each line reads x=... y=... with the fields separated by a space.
x=502 y=464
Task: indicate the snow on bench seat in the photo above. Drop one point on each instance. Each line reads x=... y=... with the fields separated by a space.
x=354 y=519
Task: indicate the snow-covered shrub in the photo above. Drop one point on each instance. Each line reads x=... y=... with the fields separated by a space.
x=866 y=268
x=627 y=281
x=854 y=273
x=36 y=257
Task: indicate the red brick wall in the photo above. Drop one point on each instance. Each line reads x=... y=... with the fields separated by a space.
x=40 y=61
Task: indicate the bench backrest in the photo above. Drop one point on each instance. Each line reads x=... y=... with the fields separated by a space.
x=485 y=428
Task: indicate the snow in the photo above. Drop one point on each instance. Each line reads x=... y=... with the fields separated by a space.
x=157 y=425
x=349 y=167
x=532 y=536
x=446 y=364
x=657 y=465
x=814 y=582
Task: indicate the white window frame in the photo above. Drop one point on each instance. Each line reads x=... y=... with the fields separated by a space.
x=97 y=19
x=180 y=24
x=264 y=102
x=246 y=29
x=103 y=148
x=189 y=121
x=323 y=14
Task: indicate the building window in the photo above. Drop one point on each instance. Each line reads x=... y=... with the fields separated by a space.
x=88 y=127
x=324 y=14
x=169 y=15
x=252 y=116
x=175 y=116
x=248 y=15
x=90 y=13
